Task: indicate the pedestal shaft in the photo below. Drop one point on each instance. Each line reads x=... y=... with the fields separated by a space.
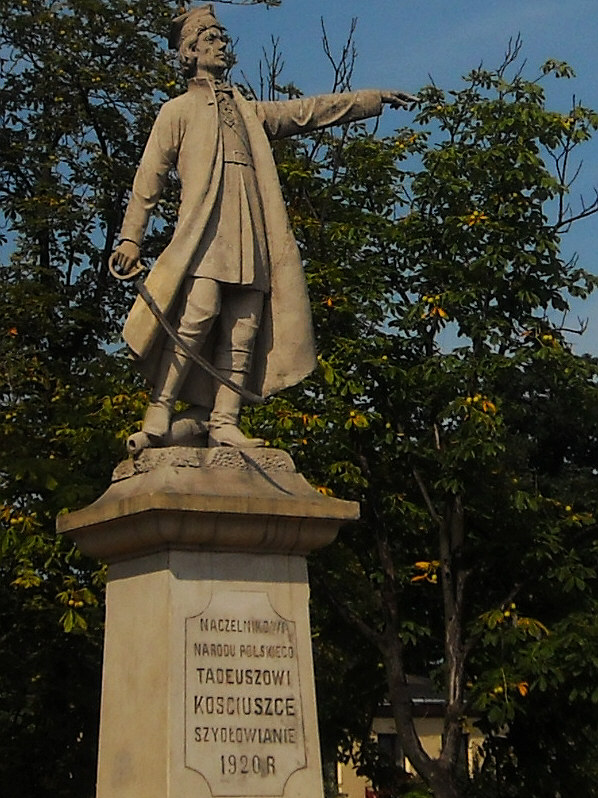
x=208 y=686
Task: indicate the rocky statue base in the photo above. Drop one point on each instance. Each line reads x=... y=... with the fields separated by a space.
x=208 y=678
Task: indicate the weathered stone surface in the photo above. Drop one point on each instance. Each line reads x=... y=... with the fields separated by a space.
x=214 y=499
x=208 y=679
x=208 y=676
x=233 y=256
x=266 y=460
x=244 y=726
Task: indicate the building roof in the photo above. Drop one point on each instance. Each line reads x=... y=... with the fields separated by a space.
x=426 y=700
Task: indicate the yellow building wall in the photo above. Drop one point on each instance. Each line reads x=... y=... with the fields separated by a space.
x=429 y=731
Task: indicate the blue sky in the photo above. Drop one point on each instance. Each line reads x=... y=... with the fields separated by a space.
x=400 y=44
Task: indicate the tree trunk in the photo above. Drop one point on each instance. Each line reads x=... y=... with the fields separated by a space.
x=443 y=783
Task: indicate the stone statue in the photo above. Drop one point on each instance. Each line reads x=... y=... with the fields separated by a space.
x=231 y=281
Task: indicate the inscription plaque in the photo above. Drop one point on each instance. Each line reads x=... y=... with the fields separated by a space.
x=243 y=712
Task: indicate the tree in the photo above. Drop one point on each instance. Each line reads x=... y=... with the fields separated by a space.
x=474 y=459
x=431 y=438
x=80 y=83
x=77 y=98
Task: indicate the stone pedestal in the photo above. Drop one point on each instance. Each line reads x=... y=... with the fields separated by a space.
x=208 y=677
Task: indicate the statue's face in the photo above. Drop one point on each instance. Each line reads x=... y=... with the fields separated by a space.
x=211 y=51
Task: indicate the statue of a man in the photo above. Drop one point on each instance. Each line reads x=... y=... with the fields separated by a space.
x=231 y=281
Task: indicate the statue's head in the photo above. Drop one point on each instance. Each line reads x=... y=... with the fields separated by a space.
x=201 y=41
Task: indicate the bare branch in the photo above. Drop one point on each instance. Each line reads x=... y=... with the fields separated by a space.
x=586 y=211
x=580 y=330
x=343 y=66
x=250 y=88
x=426 y=496
x=275 y=66
x=511 y=55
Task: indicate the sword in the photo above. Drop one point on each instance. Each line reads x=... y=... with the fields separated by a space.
x=171 y=332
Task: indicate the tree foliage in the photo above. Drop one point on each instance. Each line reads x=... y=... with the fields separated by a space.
x=78 y=93
x=80 y=83
x=448 y=401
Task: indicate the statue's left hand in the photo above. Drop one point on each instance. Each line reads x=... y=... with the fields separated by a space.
x=398 y=99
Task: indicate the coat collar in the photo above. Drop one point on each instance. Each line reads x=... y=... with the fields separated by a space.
x=211 y=85
x=200 y=83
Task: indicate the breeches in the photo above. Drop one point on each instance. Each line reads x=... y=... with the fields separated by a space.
x=233 y=311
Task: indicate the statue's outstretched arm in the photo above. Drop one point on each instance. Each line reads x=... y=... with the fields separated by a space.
x=288 y=117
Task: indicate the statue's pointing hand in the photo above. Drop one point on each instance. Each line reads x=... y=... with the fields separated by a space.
x=124 y=263
x=398 y=99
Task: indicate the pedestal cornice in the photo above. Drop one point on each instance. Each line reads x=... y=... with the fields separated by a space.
x=220 y=499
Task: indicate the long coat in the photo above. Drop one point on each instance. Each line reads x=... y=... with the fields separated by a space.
x=186 y=135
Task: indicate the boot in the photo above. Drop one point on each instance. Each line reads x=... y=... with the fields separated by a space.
x=224 y=420
x=188 y=428
x=174 y=367
x=200 y=308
